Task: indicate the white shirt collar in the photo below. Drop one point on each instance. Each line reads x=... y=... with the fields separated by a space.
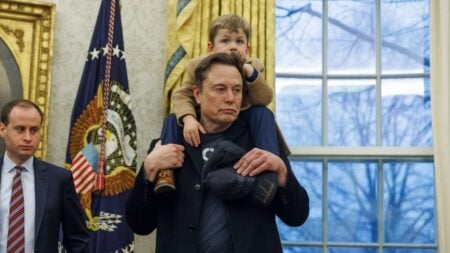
x=9 y=165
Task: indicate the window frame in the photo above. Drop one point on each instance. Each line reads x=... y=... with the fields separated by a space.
x=325 y=153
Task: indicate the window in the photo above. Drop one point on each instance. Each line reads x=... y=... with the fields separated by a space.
x=353 y=102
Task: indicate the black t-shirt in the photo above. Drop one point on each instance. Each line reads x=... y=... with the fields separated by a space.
x=214 y=234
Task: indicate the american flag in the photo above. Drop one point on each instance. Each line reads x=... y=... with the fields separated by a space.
x=83 y=169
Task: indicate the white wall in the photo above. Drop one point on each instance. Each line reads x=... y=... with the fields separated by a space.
x=144 y=28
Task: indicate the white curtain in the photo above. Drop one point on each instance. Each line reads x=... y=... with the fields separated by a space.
x=440 y=95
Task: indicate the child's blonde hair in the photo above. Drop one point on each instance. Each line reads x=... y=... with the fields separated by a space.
x=232 y=22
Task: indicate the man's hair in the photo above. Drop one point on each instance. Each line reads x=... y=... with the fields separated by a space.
x=204 y=67
x=24 y=103
x=232 y=22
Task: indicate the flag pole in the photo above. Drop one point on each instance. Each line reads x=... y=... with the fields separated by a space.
x=100 y=182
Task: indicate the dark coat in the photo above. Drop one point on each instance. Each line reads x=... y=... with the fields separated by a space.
x=57 y=204
x=176 y=214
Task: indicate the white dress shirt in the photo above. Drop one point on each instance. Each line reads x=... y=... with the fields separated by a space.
x=27 y=177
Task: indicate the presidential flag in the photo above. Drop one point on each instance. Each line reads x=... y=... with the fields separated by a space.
x=101 y=152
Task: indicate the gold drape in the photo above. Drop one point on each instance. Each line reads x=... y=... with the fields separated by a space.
x=188 y=25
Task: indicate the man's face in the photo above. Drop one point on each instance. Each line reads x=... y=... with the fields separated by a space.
x=227 y=42
x=22 y=134
x=221 y=97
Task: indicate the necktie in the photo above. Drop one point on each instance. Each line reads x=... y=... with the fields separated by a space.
x=16 y=230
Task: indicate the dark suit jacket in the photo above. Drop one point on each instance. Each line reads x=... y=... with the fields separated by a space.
x=176 y=215
x=57 y=204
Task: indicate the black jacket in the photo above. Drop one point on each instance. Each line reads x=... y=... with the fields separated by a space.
x=176 y=214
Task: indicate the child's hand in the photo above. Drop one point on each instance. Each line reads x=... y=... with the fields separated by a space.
x=248 y=69
x=191 y=130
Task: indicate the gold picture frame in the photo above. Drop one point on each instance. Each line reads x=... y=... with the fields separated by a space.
x=26 y=27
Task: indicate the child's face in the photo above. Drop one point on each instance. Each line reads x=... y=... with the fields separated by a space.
x=227 y=42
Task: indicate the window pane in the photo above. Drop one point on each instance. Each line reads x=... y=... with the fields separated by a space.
x=351 y=113
x=409 y=202
x=351 y=36
x=299 y=110
x=309 y=174
x=409 y=251
x=352 y=202
x=352 y=250
x=301 y=249
x=405 y=36
x=406 y=112
x=299 y=36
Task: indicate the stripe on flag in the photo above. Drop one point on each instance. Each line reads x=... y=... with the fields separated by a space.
x=83 y=169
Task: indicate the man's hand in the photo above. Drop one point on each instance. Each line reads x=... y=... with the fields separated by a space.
x=257 y=160
x=167 y=156
x=191 y=130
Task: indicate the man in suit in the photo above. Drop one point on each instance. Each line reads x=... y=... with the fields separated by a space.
x=49 y=197
x=195 y=218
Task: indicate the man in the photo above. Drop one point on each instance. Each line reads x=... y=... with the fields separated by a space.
x=196 y=219
x=36 y=198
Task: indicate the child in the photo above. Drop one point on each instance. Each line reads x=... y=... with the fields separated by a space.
x=228 y=33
